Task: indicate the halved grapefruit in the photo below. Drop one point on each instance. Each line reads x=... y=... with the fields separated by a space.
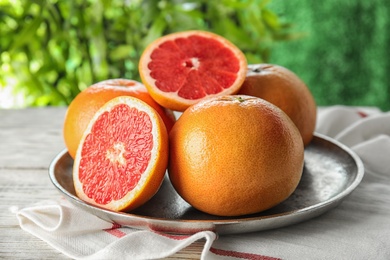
x=122 y=157
x=182 y=68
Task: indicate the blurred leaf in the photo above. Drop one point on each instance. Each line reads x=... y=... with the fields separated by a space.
x=270 y=19
x=121 y=52
x=26 y=34
x=156 y=30
x=236 y=34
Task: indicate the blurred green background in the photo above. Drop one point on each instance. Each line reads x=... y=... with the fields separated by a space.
x=51 y=50
x=345 y=54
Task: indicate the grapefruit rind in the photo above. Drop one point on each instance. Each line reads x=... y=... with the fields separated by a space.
x=285 y=89
x=118 y=84
x=172 y=100
x=153 y=175
x=235 y=155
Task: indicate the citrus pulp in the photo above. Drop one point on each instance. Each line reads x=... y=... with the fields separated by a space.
x=123 y=155
x=183 y=68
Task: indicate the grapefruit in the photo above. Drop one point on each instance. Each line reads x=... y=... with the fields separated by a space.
x=183 y=68
x=286 y=90
x=123 y=155
x=87 y=102
x=235 y=155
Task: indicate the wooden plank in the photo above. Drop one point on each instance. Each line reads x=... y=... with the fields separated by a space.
x=30 y=138
x=20 y=188
x=17 y=244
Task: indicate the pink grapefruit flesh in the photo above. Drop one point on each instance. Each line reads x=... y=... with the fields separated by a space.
x=194 y=67
x=121 y=160
x=182 y=68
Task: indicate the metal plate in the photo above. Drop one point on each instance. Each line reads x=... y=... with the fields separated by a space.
x=331 y=172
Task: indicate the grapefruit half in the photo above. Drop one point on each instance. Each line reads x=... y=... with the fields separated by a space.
x=182 y=68
x=122 y=157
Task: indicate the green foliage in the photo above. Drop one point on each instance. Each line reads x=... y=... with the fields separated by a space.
x=51 y=50
x=345 y=56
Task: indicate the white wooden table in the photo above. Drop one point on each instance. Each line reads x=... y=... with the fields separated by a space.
x=29 y=140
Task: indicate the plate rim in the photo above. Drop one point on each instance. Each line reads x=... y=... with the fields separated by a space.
x=321 y=206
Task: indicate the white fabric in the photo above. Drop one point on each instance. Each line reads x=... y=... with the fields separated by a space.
x=359 y=228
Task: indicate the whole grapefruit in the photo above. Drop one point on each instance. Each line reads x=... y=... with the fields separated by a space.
x=235 y=155
x=286 y=90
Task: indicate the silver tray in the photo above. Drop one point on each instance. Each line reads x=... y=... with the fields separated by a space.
x=331 y=172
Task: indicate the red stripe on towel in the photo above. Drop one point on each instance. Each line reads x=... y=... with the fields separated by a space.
x=114 y=230
x=362 y=114
x=242 y=255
